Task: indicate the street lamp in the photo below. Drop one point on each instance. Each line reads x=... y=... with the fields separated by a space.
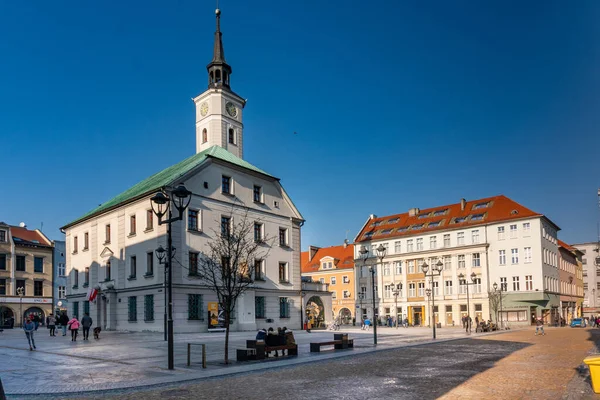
x=436 y=270
x=499 y=292
x=364 y=254
x=381 y=250
x=463 y=281
x=20 y=293
x=396 y=293
x=161 y=206
x=428 y=294
x=571 y=293
x=161 y=253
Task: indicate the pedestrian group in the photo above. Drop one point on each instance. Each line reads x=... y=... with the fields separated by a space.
x=32 y=324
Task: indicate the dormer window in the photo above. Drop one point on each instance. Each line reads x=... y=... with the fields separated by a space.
x=477 y=217
x=369 y=234
x=402 y=229
x=2 y=236
x=393 y=221
x=386 y=231
x=440 y=212
x=423 y=216
x=416 y=227
x=481 y=205
x=460 y=220
x=434 y=224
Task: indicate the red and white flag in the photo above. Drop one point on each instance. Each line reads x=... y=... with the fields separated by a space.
x=92 y=293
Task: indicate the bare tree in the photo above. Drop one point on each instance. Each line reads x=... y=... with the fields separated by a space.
x=228 y=266
x=495 y=298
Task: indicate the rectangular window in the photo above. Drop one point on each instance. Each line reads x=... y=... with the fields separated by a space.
x=409 y=245
x=527 y=254
x=86 y=276
x=193 y=264
x=108 y=271
x=528 y=282
x=193 y=220
x=500 y=233
x=132 y=267
x=3 y=236
x=386 y=269
x=107 y=234
x=513 y=231
x=231 y=136
x=149 y=307
x=62 y=270
x=76 y=309
x=447 y=240
x=421 y=289
x=412 y=290
x=20 y=284
x=259 y=307
x=150 y=263
x=411 y=266
x=132 y=225
x=436 y=289
x=258 y=232
x=2 y=262
x=258 y=195
x=283 y=272
x=462 y=288
x=461 y=261
x=398 y=267
x=476 y=257
x=149 y=220
x=345 y=279
x=333 y=280
x=86 y=307
x=38 y=288
x=502 y=257
x=433 y=242
x=526 y=229
x=346 y=294
x=514 y=256
x=195 y=307
x=38 y=265
x=419 y=244
x=226 y=184
x=86 y=241
x=225 y=226
x=283 y=237
x=132 y=308
x=75 y=245
x=75 y=278
x=475 y=236
x=460 y=238
x=62 y=292
x=397 y=247
x=284 y=307
x=447 y=263
x=515 y=283
x=259 y=270
x=2 y=286
x=477 y=286
x=503 y=284
x=21 y=263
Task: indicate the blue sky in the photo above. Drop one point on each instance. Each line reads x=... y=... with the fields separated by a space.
x=396 y=104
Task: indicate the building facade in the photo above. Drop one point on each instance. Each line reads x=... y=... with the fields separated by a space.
x=493 y=240
x=26 y=274
x=60 y=277
x=112 y=248
x=334 y=266
x=590 y=261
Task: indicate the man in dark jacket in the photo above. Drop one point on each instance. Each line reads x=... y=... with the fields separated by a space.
x=64 y=320
x=86 y=323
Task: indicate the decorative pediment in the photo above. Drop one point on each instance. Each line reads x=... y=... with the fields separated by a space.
x=106 y=253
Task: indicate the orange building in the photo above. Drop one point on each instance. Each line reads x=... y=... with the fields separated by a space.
x=333 y=266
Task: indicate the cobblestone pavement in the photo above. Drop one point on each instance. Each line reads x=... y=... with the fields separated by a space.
x=123 y=360
x=512 y=365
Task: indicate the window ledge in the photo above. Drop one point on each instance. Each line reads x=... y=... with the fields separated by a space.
x=85 y=249
x=85 y=285
x=194 y=276
x=227 y=194
x=131 y=235
x=75 y=252
x=107 y=279
x=149 y=275
x=195 y=231
x=131 y=278
x=75 y=287
x=287 y=282
x=260 y=279
x=105 y=243
x=262 y=203
x=284 y=246
x=148 y=230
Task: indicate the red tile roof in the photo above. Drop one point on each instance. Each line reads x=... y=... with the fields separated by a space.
x=566 y=246
x=344 y=258
x=476 y=212
x=29 y=237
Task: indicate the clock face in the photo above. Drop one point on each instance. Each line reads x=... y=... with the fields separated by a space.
x=231 y=110
x=204 y=108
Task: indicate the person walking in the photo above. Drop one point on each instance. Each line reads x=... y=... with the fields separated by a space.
x=51 y=324
x=539 y=326
x=29 y=328
x=36 y=321
x=64 y=320
x=86 y=324
x=74 y=327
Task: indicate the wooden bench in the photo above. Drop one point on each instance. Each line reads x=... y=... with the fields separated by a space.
x=189 y=351
x=258 y=350
x=340 y=341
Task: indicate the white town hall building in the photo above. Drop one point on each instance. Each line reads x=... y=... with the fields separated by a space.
x=112 y=248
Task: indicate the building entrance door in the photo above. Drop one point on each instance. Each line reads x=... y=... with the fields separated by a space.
x=417 y=316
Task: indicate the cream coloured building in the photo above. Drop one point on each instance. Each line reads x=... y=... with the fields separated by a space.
x=112 y=247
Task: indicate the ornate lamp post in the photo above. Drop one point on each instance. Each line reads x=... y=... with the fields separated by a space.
x=436 y=270
x=463 y=281
x=381 y=250
x=161 y=206
x=20 y=293
x=499 y=292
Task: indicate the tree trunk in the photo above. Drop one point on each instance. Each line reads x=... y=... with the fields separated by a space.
x=226 y=336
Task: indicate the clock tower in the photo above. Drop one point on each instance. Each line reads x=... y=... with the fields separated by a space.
x=219 y=109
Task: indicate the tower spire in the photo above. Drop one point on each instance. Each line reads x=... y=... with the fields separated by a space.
x=218 y=69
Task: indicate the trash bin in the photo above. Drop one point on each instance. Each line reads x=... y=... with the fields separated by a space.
x=593 y=362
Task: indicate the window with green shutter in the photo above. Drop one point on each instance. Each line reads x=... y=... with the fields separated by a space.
x=195 y=306
x=76 y=309
x=149 y=307
x=259 y=307
x=86 y=307
x=284 y=307
x=132 y=308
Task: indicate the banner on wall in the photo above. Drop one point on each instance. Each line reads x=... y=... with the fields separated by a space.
x=216 y=316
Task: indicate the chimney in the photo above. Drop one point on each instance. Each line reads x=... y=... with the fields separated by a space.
x=345 y=243
x=372 y=216
x=413 y=211
x=463 y=204
x=312 y=250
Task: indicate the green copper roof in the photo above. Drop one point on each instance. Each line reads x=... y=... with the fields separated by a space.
x=168 y=176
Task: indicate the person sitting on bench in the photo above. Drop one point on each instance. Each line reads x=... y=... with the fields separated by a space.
x=261 y=335
x=272 y=339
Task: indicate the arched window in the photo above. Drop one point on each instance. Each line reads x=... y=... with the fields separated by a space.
x=218 y=76
x=204 y=136
x=226 y=77
x=231 y=136
x=212 y=77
